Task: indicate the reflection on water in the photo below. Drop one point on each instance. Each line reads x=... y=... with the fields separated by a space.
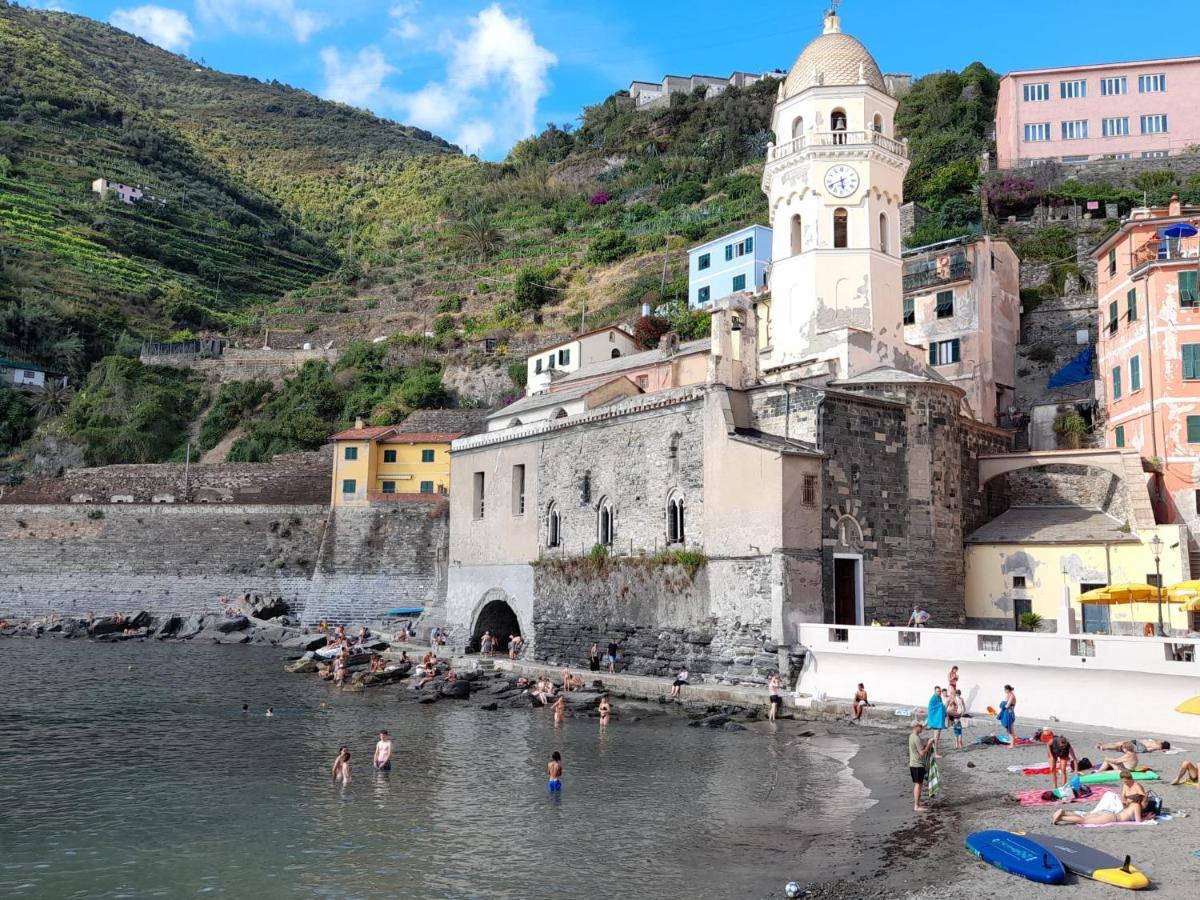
x=151 y=782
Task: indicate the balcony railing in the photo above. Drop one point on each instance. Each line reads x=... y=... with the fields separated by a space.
x=838 y=139
x=956 y=271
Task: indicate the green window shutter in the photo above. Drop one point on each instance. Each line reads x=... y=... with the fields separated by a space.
x=349 y=485
x=749 y=244
x=1131 y=302
x=1191 y=362
x=728 y=252
x=933 y=354
x=1113 y=316
x=1120 y=435
x=351 y=453
x=1112 y=262
x=1135 y=374
x=1116 y=382
x=1187 y=288
x=1193 y=428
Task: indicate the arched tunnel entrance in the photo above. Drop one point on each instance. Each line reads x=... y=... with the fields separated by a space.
x=498 y=618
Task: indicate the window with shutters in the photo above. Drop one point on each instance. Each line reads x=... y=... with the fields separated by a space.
x=739 y=282
x=1187 y=288
x=389 y=456
x=389 y=487
x=944 y=353
x=1119 y=435
x=1191 y=362
x=349 y=486
x=910 y=311
x=945 y=304
x=1135 y=374
x=704 y=261
x=1114 y=318
x=427 y=456
x=351 y=453
x=1112 y=262
x=1131 y=305
x=1193 y=429
x=1116 y=383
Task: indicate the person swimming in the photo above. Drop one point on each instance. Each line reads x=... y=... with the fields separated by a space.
x=554 y=772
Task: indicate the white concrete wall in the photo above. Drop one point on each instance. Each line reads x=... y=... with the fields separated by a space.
x=1129 y=685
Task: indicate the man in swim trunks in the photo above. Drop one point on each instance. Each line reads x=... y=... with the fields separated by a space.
x=1140 y=745
x=341 y=766
x=554 y=772
x=613 y=647
x=383 y=753
x=860 y=702
x=774 y=701
x=918 y=750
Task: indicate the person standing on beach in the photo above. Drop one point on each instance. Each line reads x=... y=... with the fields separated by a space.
x=935 y=715
x=774 y=700
x=918 y=751
x=954 y=716
x=554 y=773
x=1062 y=756
x=383 y=753
x=1008 y=714
x=594 y=658
x=952 y=680
x=613 y=648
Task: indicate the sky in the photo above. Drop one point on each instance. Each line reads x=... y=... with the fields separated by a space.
x=485 y=73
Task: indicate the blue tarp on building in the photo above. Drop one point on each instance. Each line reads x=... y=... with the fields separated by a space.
x=1077 y=370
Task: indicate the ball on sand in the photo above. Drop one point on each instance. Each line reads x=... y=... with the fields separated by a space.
x=792 y=889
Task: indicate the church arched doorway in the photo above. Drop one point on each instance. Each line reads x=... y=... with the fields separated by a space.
x=497 y=617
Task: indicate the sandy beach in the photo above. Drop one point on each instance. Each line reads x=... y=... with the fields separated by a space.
x=923 y=857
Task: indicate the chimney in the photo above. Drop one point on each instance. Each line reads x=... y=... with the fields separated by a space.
x=1173 y=209
x=358 y=422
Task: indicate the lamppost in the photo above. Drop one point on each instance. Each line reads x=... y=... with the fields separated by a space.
x=1156 y=546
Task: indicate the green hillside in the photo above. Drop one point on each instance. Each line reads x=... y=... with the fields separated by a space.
x=320 y=222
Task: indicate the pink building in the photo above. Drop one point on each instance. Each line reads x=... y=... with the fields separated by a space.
x=1107 y=111
x=1149 y=352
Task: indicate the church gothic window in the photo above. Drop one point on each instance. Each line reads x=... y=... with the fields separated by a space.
x=553 y=526
x=605 y=523
x=841 y=229
x=675 y=532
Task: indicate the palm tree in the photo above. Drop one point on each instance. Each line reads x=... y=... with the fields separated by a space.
x=53 y=400
x=476 y=228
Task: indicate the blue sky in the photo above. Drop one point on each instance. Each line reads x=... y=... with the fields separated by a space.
x=484 y=73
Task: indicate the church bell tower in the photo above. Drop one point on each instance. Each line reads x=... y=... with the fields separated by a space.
x=835 y=180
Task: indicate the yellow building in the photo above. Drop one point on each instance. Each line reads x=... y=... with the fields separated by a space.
x=370 y=463
x=1021 y=561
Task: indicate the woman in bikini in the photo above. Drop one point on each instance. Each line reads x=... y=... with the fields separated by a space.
x=1189 y=771
x=1132 y=802
x=605 y=711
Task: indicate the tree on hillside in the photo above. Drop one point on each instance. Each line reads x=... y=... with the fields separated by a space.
x=475 y=228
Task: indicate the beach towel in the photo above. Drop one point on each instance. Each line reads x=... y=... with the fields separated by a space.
x=1006 y=716
x=1033 y=797
x=1120 y=824
x=933 y=780
x=935 y=716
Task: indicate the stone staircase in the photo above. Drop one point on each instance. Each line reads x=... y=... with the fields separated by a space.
x=1138 y=490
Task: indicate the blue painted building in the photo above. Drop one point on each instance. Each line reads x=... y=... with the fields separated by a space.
x=734 y=262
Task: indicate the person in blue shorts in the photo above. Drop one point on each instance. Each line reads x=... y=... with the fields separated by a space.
x=554 y=771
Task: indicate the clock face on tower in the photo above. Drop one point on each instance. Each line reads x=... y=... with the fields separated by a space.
x=841 y=180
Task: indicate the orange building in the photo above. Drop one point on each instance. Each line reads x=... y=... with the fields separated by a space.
x=1149 y=351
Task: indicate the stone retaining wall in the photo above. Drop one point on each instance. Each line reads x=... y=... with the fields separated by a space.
x=167 y=558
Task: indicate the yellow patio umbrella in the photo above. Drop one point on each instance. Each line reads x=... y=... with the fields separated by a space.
x=1192 y=605
x=1120 y=593
x=1183 y=592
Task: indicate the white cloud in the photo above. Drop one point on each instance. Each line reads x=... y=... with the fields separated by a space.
x=359 y=82
x=169 y=28
x=494 y=81
x=404 y=25
x=242 y=16
x=51 y=5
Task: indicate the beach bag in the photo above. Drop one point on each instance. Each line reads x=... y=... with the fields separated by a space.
x=1083 y=765
x=1154 y=805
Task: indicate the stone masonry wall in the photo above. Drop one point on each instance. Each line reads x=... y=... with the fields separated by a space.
x=169 y=558
x=244 y=364
x=659 y=615
x=1063 y=485
x=294 y=478
x=633 y=462
x=980 y=503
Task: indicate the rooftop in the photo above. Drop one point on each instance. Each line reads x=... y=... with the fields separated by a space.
x=1161 y=61
x=1052 y=525
x=462 y=421
x=421 y=437
x=833 y=59
x=633 y=361
x=366 y=433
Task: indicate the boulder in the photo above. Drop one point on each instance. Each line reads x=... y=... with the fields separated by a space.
x=305 y=642
x=502 y=687
x=141 y=620
x=190 y=627
x=581 y=699
x=228 y=624
x=302 y=666
x=387 y=676
x=235 y=637
x=490 y=707
x=428 y=698
x=352 y=687
x=717 y=721
x=106 y=626
x=168 y=627
x=268 y=608
x=733 y=726
x=455 y=690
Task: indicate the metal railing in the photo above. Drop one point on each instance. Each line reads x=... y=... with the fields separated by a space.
x=956 y=271
x=838 y=139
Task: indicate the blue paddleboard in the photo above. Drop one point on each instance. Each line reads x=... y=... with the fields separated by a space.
x=1017 y=855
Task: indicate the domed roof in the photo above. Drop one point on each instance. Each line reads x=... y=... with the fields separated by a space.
x=834 y=58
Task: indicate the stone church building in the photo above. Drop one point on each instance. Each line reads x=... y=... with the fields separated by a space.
x=822 y=470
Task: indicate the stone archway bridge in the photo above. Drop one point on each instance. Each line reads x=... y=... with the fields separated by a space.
x=1124 y=464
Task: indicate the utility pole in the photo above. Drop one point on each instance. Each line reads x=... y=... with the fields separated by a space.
x=187 y=466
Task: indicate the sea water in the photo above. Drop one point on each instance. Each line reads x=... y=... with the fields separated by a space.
x=129 y=770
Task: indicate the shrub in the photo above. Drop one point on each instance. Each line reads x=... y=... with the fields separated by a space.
x=679 y=194
x=532 y=288
x=518 y=373
x=1155 y=180
x=235 y=403
x=1049 y=244
x=599 y=198
x=443 y=326
x=598 y=555
x=609 y=246
x=1030 y=621
x=648 y=330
